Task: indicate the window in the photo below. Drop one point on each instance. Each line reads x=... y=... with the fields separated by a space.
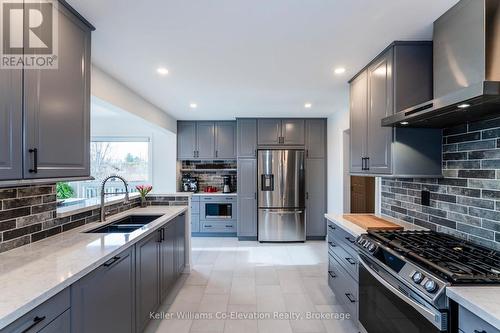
x=123 y=156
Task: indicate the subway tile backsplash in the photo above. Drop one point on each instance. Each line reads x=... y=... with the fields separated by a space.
x=466 y=202
x=209 y=173
x=28 y=214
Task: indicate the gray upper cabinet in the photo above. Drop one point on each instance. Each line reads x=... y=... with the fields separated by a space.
x=147 y=278
x=247 y=198
x=292 y=131
x=57 y=107
x=401 y=76
x=380 y=105
x=358 y=121
x=225 y=140
x=103 y=301
x=315 y=138
x=269 y=131
x=205 y=139
x=186 y=140
x=11 y=126
x=315 y=197
x=247 y=138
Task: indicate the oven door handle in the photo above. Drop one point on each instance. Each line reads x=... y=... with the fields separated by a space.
x=432 y=316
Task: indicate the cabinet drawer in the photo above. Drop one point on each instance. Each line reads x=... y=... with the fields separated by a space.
x=195 y=223
x=218 y=198
x=470 y=323
x=343 y=286
x=344 y=257
x=343 y=236
x=217 y=227
x=41 y=316
x=61 y=324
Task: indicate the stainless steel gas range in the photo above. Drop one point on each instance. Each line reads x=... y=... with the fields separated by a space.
x=403 y=276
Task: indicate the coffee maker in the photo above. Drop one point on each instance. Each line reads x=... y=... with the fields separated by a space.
x=226 y=183
x=189 y=183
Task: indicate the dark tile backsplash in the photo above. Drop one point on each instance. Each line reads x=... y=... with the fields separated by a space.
x=466 y=202
x=209 y=173
x=28 y=214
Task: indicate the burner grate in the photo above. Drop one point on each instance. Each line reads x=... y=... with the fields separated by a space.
x=453 y=258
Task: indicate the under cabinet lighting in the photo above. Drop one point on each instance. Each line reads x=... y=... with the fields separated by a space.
x=463 y=106
x=404 y=123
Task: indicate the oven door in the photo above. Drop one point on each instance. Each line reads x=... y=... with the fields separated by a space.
x=388 y=306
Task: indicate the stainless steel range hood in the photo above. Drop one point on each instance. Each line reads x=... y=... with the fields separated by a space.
x=466 y=69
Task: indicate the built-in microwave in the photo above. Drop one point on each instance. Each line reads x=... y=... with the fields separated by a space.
x=217 y=211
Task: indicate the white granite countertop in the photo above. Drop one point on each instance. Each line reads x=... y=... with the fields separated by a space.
x=484 y=302
x=214 y=194
x=356 y=230
x=32 y=274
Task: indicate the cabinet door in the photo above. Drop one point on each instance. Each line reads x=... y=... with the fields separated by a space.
x=205 y=139
x=247 y=138
x=61 y=324
x=269 y=131
x=180 y=230
x=57 y=107
x=195 y=222
x=315 y=197
x=167 y=260
x=225 y=139
x=186 y=140
x=315 y=138
x=247 y=198
x=293 y=131
x=11 y=124
x=380 y=96
x=358 y=121
x=103 y=301
x=147 y=278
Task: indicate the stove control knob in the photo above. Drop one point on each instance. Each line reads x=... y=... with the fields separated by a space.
x=367 y=244
x=430 y=286
x=372 y=247
x=418 y=277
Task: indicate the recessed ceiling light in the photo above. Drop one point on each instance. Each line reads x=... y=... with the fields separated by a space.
x=308 y=105
x=404 y=123
x=339 y=70
x=193 y=105
x=463 y=106
x=162 y=71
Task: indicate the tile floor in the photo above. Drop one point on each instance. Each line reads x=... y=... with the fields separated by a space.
x=229 y=276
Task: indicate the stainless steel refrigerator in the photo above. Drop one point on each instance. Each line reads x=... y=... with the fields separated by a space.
x=281 y=188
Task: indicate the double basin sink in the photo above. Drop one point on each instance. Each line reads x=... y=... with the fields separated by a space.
x=125 y=225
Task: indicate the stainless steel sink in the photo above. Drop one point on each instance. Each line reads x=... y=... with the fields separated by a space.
x=125 y=225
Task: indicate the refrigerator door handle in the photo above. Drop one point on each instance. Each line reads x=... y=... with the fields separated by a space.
x=283 y=212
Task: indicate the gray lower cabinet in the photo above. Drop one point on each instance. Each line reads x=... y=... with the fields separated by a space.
x=247 y=199
x=205 y=139
x=57 y=107
x=167 y=259
x=343 y=265
x=103 y=301
x=147 y=278
x=247 y=138
x=180 y=236
x=186 y=140
x=225 y=140
x=52 y=316
x=315 y=198
x=468 y=322
x=398 y=78
x=315 y=140
x=11 y=124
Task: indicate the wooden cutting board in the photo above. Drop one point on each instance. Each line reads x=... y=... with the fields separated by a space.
x=371 y=222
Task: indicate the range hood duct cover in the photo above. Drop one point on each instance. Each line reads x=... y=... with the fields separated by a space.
x=466 y=46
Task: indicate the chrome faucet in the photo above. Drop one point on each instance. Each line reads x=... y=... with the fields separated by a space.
x=103 y=194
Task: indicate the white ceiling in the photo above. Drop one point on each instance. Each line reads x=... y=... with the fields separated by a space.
x=244 y=58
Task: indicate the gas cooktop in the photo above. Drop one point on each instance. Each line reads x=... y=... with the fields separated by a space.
x=453 y=259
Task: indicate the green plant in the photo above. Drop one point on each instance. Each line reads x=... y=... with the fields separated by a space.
x=64 y=191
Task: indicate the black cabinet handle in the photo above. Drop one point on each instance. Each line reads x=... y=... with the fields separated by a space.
x=37 y=320
x=350 y=298
x=162 y=234
x=307 y=195
x=216 y=153
x=208 y=226
x=111 y=261
x=255 y=153
x=483 y=331
x=34 y=151
x=367 y=163
x=229 y=225
x=331 y=227
x=332 y=244
x=351 y=261
x=333 y=276
x=350 y=240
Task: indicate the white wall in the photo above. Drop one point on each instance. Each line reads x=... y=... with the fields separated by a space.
x=107 y=120
x=108 y=89
x=337 y=124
